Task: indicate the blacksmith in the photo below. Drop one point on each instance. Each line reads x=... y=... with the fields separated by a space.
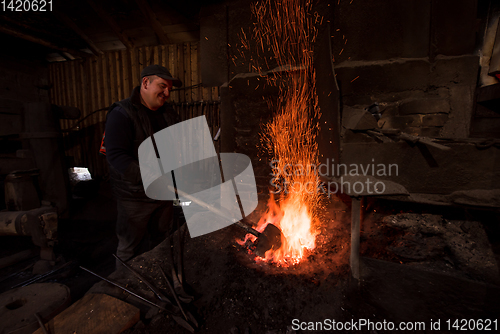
x=142 y=222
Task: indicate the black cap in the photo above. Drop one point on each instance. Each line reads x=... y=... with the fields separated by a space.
x=162 y=72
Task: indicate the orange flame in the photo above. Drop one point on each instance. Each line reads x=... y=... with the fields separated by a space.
x=286 y=29
x=293 y=218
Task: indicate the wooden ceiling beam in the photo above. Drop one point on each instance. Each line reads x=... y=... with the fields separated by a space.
x=112 y=23
x=72 y=25
x=43 y=42
x=153 y=20
x=65 y=55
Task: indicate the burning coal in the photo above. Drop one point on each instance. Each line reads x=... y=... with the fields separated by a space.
x=287 y=29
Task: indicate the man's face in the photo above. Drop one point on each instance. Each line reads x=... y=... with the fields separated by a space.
x=155 y=93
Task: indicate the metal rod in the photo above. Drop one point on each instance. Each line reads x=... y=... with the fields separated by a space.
x=39 y=277
x=214 y=210
x=140 y=277
x=173 y=293
x=126 y=290
x=17 y=272
x=44 y=330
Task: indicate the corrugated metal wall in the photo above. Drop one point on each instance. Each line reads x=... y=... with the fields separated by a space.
x=96 y=83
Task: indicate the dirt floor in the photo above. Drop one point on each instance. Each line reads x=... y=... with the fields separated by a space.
x=418 y=264
x=416 y=267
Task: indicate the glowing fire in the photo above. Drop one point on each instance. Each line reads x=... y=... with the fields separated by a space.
x=293 y=218
x=286 y=28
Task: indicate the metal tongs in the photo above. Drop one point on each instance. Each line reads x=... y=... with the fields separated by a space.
x=179 y=314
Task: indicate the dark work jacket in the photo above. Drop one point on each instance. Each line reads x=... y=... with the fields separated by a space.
x=128 y=185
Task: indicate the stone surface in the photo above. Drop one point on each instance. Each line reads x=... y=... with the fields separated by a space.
x=458 y=124
x=382 y=76
x=485 y=127
x=356 y=137
x=432 y=132
x=430 y=105
x=19 y=305
x=434 y=120
x=400 y=122
x=477 y=197
x=389 y=109
x=461 y=70
x=358 y=119
x=446 y=86
x=397 y=97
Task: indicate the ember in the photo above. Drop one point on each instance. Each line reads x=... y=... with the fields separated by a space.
x=286 y=27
